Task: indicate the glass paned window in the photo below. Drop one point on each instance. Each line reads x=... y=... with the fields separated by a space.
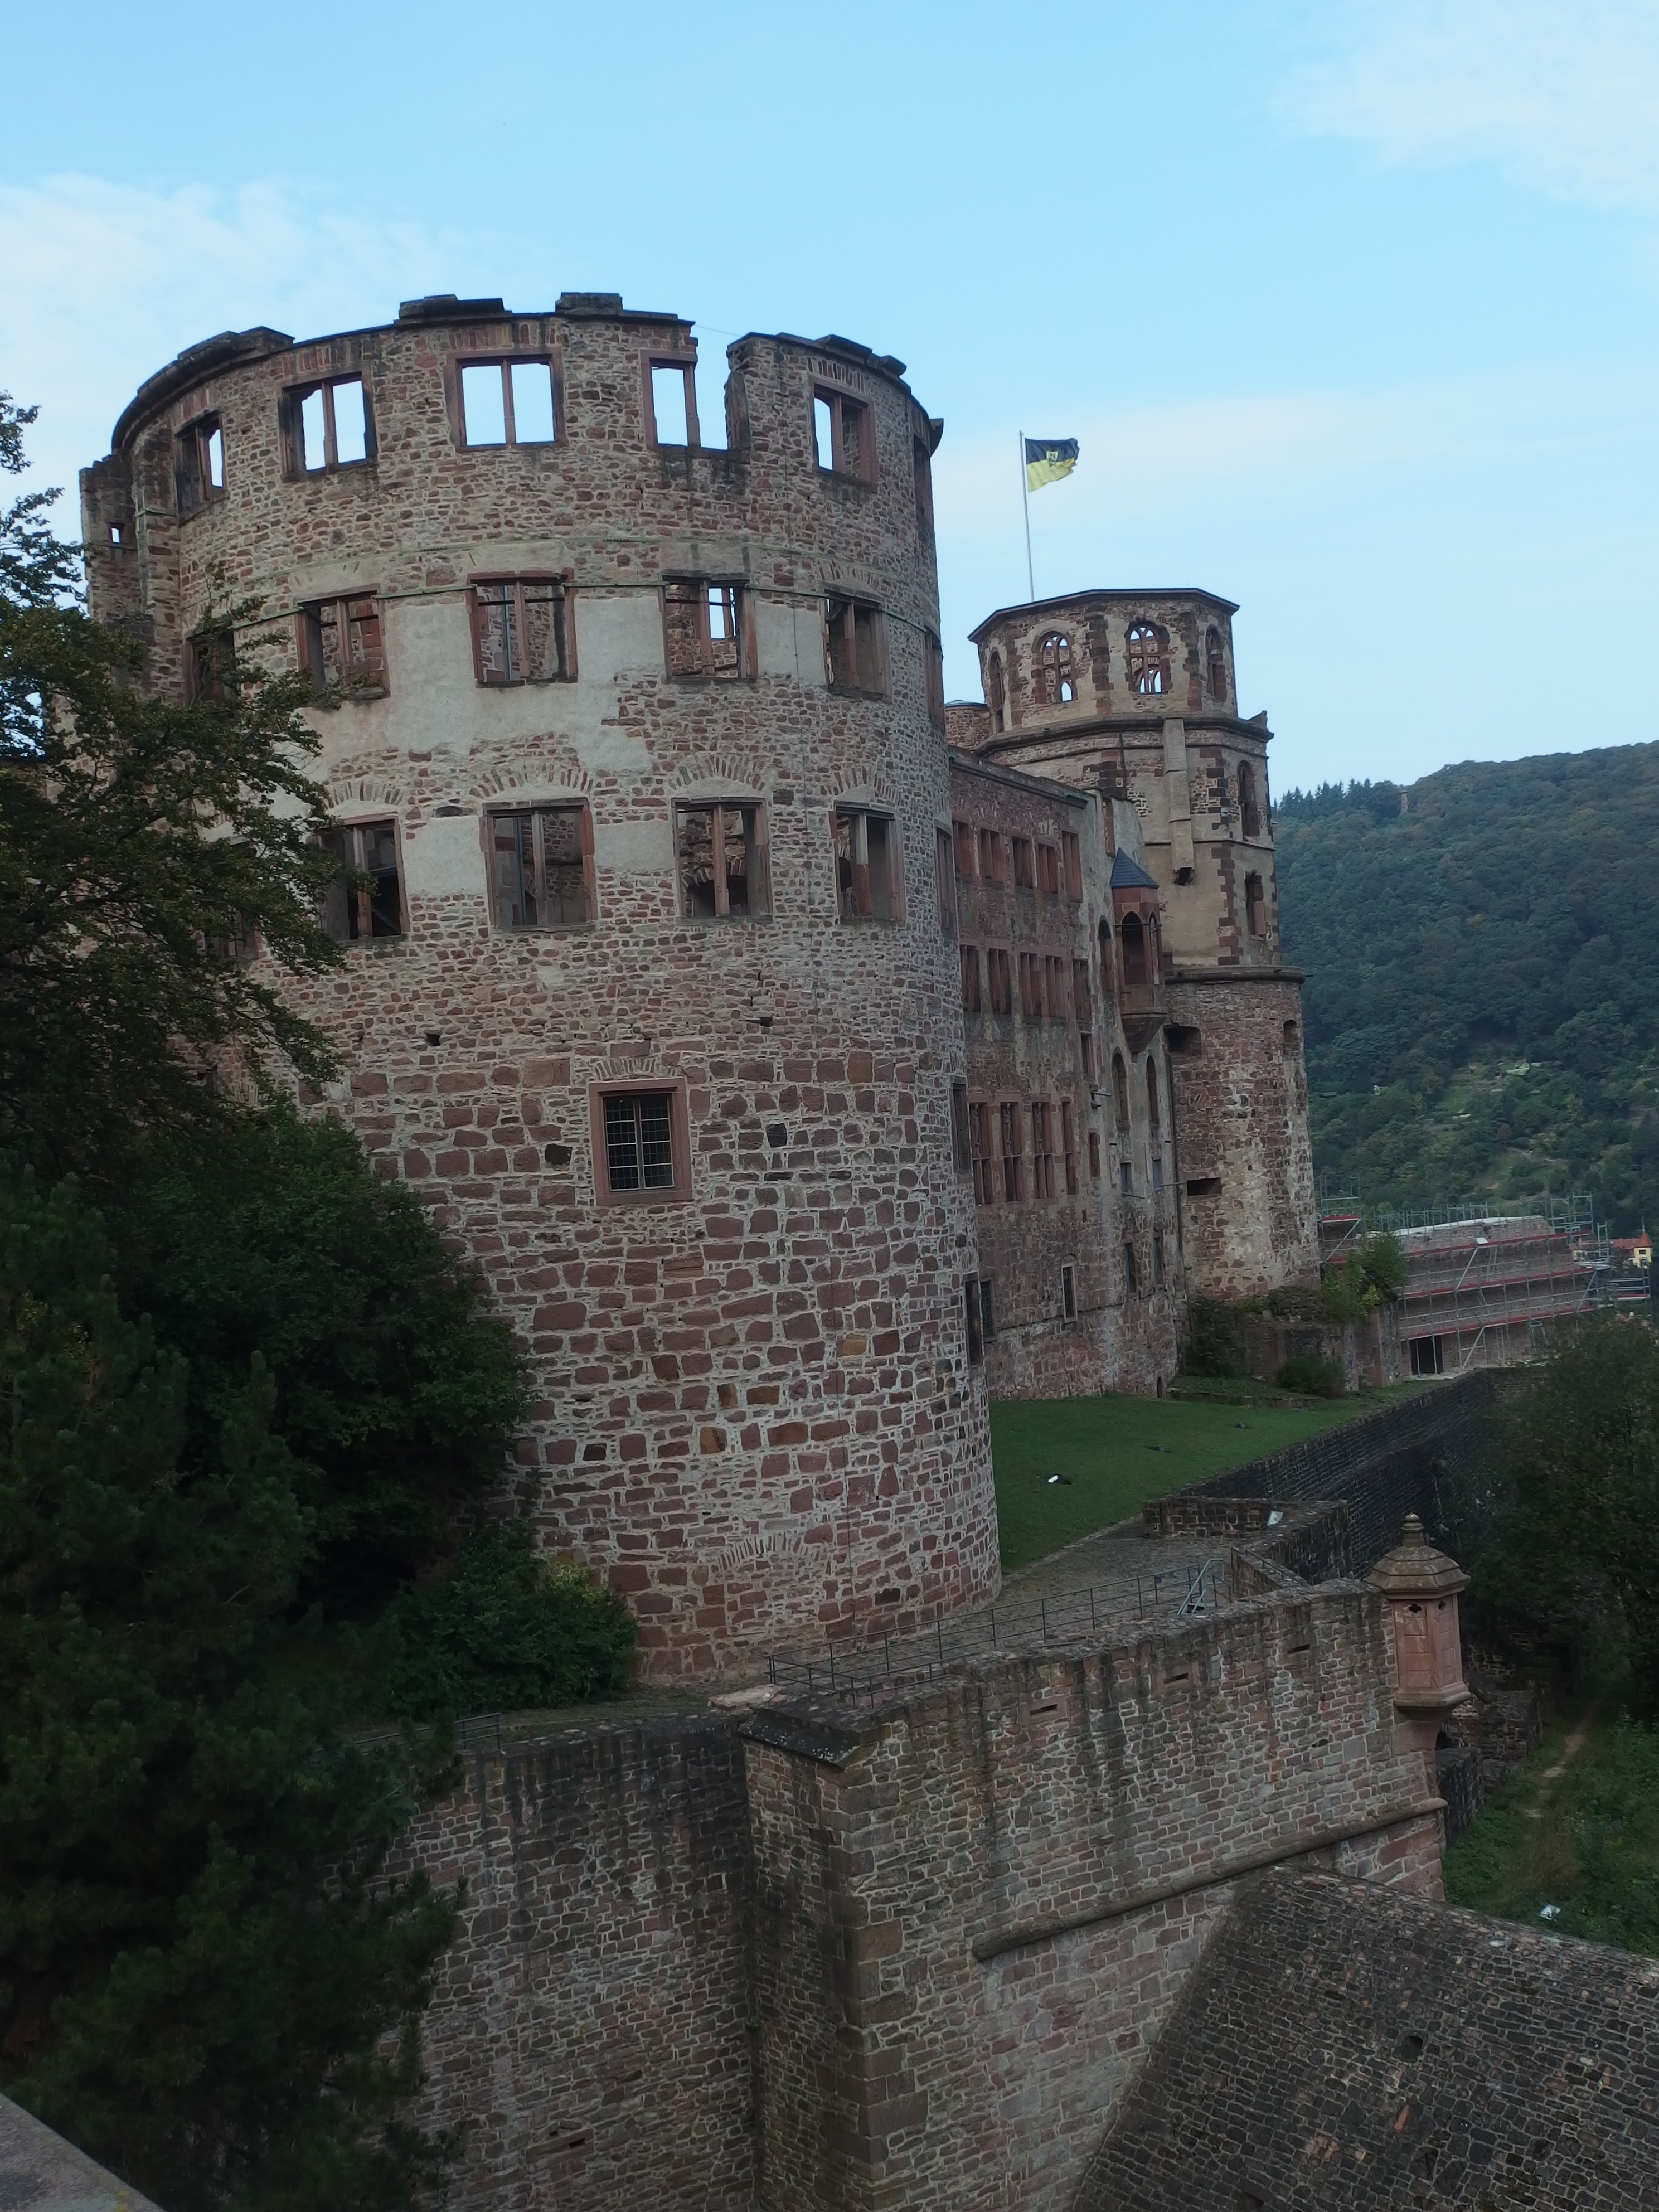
x=638 y=1143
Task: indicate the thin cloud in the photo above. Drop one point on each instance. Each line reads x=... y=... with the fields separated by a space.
x=1561 y=93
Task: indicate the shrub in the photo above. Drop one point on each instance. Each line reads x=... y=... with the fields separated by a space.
x=1214 y=1345
x=1315 y=1377
x=504 y=1630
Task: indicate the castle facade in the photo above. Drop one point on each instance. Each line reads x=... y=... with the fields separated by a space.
x=803 y=1061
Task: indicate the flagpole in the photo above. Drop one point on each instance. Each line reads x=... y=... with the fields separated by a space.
x=1025 y=495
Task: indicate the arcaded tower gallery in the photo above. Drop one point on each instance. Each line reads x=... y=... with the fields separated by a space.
x=642 y=746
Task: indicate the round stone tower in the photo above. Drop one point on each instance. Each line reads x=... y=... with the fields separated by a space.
x=640 y=776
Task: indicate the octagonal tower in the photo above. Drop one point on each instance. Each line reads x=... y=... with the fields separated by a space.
x=652 y=999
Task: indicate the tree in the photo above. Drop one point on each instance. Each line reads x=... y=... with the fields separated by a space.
x=202 y=1953
x=141 y=842
x=1572 y=1507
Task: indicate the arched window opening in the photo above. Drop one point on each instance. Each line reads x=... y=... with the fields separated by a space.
x=1255 y=906
x=1289 y=1036
x=1134 y=949
x=998 y=697
x=1146 y=659
x=1151 y=1095
x=1215 y=665
x=1121 y=1090
x=1055 y=687
x=1249 y=813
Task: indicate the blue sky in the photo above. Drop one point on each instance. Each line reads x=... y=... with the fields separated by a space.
x=1353 y=307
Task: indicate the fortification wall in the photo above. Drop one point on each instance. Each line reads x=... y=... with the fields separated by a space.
x=754 y=1409
x=590 y=2025
x=1382 y=1466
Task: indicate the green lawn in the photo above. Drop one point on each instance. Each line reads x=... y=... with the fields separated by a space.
x=1593 y=1850
x=1117 y=1452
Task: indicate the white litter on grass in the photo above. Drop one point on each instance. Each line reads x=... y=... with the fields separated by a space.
x=1549 y=1912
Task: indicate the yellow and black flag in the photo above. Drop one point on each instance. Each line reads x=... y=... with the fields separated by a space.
x=1048 y=459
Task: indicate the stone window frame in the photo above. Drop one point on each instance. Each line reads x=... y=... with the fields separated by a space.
x=992 y=849
x=308 y=621
x=667 y=361
x=565 y=600
x=290 y=421
x=933 y=659
x=844 y=670
x=720 y=804
x=997 y=963
x=1255 y=906
x=984 y=1161
x=1068 y=1146
x=1011 y=1135
x=1043 y=1151
x=1250 y=808
x=1215 y=666
x=1048 y=868
x=509 y=804
x=207 y=653
x=973 y=1332
x=1071 y=860
x=963 y=838
x=996 y=692
x=1068 y=1306
x=352 y=826
x=858 y=813
x=972 y=998
x=1053 y=673
x=1146 y=659
x=839 y=403
x=739 y=614
x=962 y=1156
x=196 y=448
x=673 y=1087
x=506 y=360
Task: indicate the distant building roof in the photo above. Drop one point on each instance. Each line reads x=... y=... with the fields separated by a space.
x=1127 y=874
x=1341 y=2044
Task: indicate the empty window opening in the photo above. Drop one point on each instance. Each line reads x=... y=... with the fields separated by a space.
x=866 y=865
x=1291 y=1036
x=854 y=647
x=702 y=628
x=199 y=465
x=1153 y=1116
x=924 y=471
x=342 y=647
x=1086 y=1047
x=1215 y=665
x=987 y=1311
x=990 y=856
x=1048 y=870
x=639 y=1141
x=507 y=403
x=1204 y=1186
x=970 y=998
x=1056 y=991
x=995 y=692
x=1181 y=1037
x=962 y=1157
x=520 y=630
x=944 y=879
x=542 y=867
x=1255 y=906
x=974 y=1325
x=1024 y=865
x=933 y=657
x=1157 y=1166
x=964 y=838
x=1094 y=1154
x=1126 y=1180
x=1013 y=1166
x=1043 y=1151
x=843 y=436
x=210 y=666
x=1147 y=658
x=999 y=982
x=1080 y=994
x=1031 y=985
x=366 y=898
x=1121 y=1090
x=1054 y=685
x=115 y=533
x=329 y=426
x=1129 y=1280
x=1069 y=1292
x=1068 y=1146
x=1133 y=937
x=721 y=852
x=673 y=404
x=1072 y=862
x=1249 y=813
x=978 y=1141
x=1428 y=1355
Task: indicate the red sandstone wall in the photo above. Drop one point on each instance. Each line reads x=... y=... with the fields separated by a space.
x=590 y=2024
x=972 y=1924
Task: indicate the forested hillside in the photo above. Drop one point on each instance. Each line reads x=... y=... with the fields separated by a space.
x=1482 y=1001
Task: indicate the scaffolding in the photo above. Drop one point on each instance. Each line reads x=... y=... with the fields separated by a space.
x=1484 y=1278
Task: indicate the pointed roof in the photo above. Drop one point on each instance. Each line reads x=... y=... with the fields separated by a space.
x=1128 y=875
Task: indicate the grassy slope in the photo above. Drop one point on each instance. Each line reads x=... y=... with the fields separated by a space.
x=1119 y=1452
x=1507 y=917
x=1594 y=1849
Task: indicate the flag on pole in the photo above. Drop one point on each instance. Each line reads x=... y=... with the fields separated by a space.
x=1048 y=459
